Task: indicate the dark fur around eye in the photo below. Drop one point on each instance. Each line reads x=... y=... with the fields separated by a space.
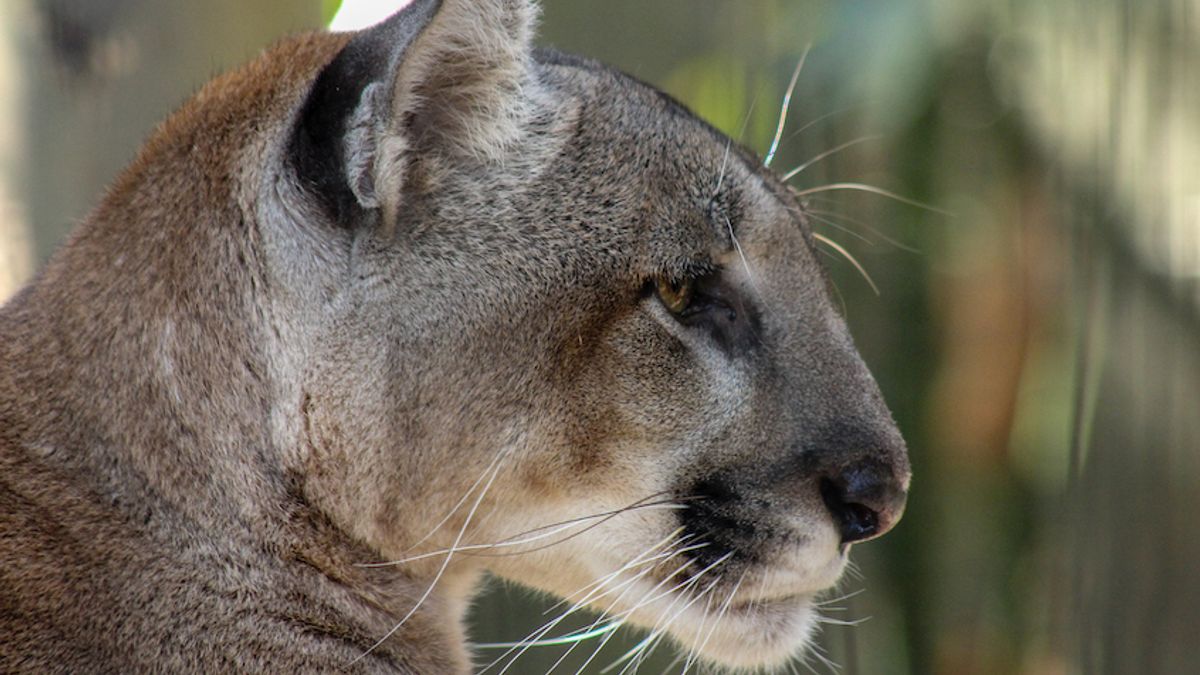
x=720 y=310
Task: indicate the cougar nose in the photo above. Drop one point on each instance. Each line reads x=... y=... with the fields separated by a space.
x=866 y=500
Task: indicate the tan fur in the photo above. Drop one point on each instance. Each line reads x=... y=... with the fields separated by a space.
x=269 y=361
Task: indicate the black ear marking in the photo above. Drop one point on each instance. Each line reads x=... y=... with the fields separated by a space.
x=317 y=150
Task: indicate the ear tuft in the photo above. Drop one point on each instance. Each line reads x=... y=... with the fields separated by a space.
x=440 y=76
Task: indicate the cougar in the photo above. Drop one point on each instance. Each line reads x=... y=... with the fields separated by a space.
x=381 y=312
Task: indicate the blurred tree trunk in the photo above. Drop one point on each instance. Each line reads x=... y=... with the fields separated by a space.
x=97 y=75
x=1112 y=93
x=16 y=249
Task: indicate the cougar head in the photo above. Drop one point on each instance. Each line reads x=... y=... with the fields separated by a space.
x=545 y=322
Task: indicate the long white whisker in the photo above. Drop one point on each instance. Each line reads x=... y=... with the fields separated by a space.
x=824 y=604
x=591 y=596
x=660 y=632
x=846 y=254
x=821 y=656
x=692 y=580
x=549 y=625
x=717 y=621
x=679 y=588
x=593 y=655
x=638 y=560
x=691 y=653
x=676 y=661
x=783 y=108
x=635 y=654
x=600 y=520
x=622 y=615
x=571 y=638
x=815 y=121
x=603 y=641
x=724 y=166
x=839 y=227
x=859 y=223
x=442 y=570
x=742 y=254
x=833 y=151
x=603 y=615
x=842 y=622
x=513 y=541
x=861 y=187
x=462 y=500
x=536 y=636
x=601 y=646
x=808 y=666
x=746 y=119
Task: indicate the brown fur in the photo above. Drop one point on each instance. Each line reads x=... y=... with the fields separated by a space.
x=251 y=370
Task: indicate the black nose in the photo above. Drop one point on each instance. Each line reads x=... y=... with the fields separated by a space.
x=866 y=500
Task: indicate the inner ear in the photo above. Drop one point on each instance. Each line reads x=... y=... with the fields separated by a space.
x=328 y=138
x=449 y=75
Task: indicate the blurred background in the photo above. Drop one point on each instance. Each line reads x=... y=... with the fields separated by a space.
x=1029 y=303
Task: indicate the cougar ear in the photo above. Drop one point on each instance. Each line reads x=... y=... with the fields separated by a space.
x=450 y=76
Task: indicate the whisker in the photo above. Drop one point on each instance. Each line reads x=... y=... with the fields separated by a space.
x=862 y=187
x=745 y=263
x=828 y=153
x=825 y=603
x=515 y=541
x=653 y=598
x=692 y=655
x=679 y=589
x=602 y=615
x=695 y=640
x=853 y=261
x=819 y=653
x=817 y=120
x=837 y=291
x=591 y=596
x=720 y=615
x=442 y=570
x=538 y=633
x=592 y=657
x=842 y=622
x=873 y=230
x=576 y=636
x=783 y=108
x=677 y=660
x=635 y=562
x=692 y=652
x=621 y=618
x=840 y=228
x=692 y=580
x=724 y=166
x=853 y=572
x=596 y=651
x=604 y=518
x=458 y=505
x=703 y=595
x=641 y=649
x=746 y=118
x=536 y=638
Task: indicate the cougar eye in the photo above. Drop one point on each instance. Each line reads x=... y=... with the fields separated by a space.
x=676 y=295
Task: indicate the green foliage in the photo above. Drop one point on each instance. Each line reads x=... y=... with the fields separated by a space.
x=328 y=9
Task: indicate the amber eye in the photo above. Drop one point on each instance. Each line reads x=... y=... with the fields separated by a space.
x=676 y=295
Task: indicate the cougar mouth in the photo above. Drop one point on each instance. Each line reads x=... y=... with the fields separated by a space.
x=714 y=624
x=734 y=610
